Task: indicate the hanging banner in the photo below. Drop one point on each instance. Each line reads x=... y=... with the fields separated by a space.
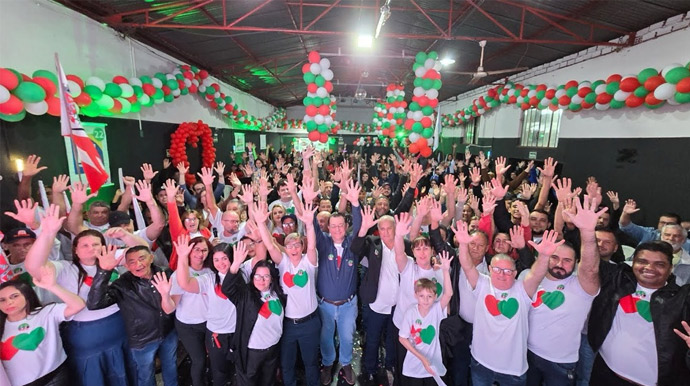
x=96 y=132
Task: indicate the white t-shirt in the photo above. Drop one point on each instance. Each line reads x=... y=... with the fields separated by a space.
x=218 y=224
x=499 y=337
x=299 y=283
x=389 y=283
x=269 y=324
x=221 y=315
x=408 y=279
x=423 y=333
x=288 y=205
x=100 y=228
x=120 y=244
x=630 y=347
x=192 y=308
x=32 y=347
x=467 y=298
x=557 y=315
x=67 y=276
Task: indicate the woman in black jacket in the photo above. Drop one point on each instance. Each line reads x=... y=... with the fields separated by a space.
x=260 y=310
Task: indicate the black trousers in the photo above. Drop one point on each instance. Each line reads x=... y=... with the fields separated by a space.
x=407 y=381
x=193 y=337
x=261 y=367
x=58 y=377
x=222 y=364
x=602 y=375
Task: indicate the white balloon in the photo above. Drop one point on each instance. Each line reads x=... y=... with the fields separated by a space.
x=158 y=83
x=420 y=71
x=417 y=115
x=560 y=93
x=480 y=111
x=308 y=118
x=145 y=99
x=328 y=120
x=169 y=76
x=621 y=95
x=430 y=141
x=601 y=107
x=545 y=101
x=74 y=89
x=325 y=64
x=202 y=88
x=410 y=114
x=318 y=118
x=531 y=93
x=511 y=92
x=520 y=99
x=177 y=92
x=4 y=94
x=600 y=89
x=672 y=101
x=127 y=90
x=327 y=74
x=38 y=108
x=418 y=91
x=216 y=94
x=438 y=66
x=96 y=81
x=586 y=83
x=429 y=63
x=665 y=91
x=432 y=94
x=669 y=68
x=413 y=137
x=187 y=82
x=134 y=81
x=315 y=68
x=321 y=92
x=576 y=99
x=195 y=82
x=207 y=82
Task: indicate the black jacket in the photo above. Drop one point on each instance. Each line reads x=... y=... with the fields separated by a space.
x=669 y=305
x=371 y=248
x=248 y=306
x=139 y=302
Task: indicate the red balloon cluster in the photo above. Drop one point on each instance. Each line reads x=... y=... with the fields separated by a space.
x=190 y=133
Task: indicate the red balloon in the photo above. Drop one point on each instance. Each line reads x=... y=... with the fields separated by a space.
x=180 y=84
x=633 y=101
x=131 y=99
x=629 y=84
x=432 y=74
x=614 y=78
x=84 y=99
x=12 y=106
x=525 y=106
x=604 y=98
x=314 y=135
x=312 y=87
x=408 y=124
x=324 y=109
x=26 y=77
x=216 y=87
x=8 y=79
x=323 y=137
x=119 y=79
x=76 y=80
x=653 y=82
x=149 y=89
x=683 y=85
x=650 y=100
x=166 y=90
x=550 y=93
x=193 y=89
x=426 y=152
x=541 y=87
x=203 y=74
x=117 y=107
x=413 y=148
x=47 y=84
x=328 y=86
x=314 y=57
x=571 y=83
x=426 y=122
x=54 y=106
x=512 y=99
x=586 y=105
x=584 y=91
x=564 y=100
x=433 y=102
x=214 y=105
x=188 y=75
x=311 y=110
x=524 y=92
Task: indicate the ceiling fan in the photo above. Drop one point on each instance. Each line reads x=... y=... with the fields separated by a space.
x=480 y=73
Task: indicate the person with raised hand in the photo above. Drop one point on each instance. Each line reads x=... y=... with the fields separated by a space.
x=32 y=351
x=143 y=296
x=95 y=341
x=97 y=215
x=501 y=311
x=31 y=168
x=228 y=224
x=562 y=303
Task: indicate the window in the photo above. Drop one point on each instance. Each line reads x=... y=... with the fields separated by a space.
x=470 y=128
x=540 y=128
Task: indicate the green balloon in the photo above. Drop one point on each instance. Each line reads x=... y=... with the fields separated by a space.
x=218 y=100
x=417 y=127
x=433 y=55
x=45 y=74
x=145 y=79
x=420 y=57
x=646 y=74
x=612 y=87
x=574 y=107
x=210 y=91
x=136 y=107
x=415 y=66
x=414 y=106
x=228 y=99
x=113 y=90
x=184 y=91
x=591 y=97
x=311 y=126
x=437 y=84
x=554 y=101
x=682 y=97
x=138 y=91
x=386 y=124
x=540 y=106
x=179 y=76
x=14 y=117
x=319 y=80
x=428 y=132
x=195 y=69
x=427 y=83
x=172 y=84
x=326 y=101
x=677 y=74
x=126 y=106
x=417 y=82
x=334 y=107
x=29 y=92
x=427 y=110
x=106 y=113
x=317 y=101
x=596 y=84
x=541 y=94
x=322 y=128
x=390 y=99
x=571 y=91
x=652 y=107
x=158 y=94
x=90 y=110
x=309 y=78
x=614 y=104
x=307 y=100
x=641 y=92
x=561 y=87
x=161 y=76
x=106 y=102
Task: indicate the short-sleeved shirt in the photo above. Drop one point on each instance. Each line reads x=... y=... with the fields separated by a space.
x=467 y=297
x=423 y=333
x=221 y=315
x=299 y=283
x=499 y=336
x=389 y=283
x=67 y=275
x=32 y=347
x=408 y=279
x=558 y=314
x=269 y=324
x=630 y=346
x=192 y=308
x=218 y=224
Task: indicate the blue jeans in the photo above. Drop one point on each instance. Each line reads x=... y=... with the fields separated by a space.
x=376 y=324
x=551 y=373
x=481 y=376
x=460 y=363
x=584 y=365
x=145 y=357
x=305 y=335
x=344 y=316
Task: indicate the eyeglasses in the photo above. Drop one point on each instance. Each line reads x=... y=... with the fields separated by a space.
x=336 y=226
x=262 y=277
x=288 y=224
x=200 y=250
x=249 y=243
x=505 y=271
x=293 y=246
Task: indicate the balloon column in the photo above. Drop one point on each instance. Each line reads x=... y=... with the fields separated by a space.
x=650 y=87
x=189 y=133
x=319 y=104
x=420 y=117
x=395 y=110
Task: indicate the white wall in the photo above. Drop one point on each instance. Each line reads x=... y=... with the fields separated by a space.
x=598 y=63
x=31 y=31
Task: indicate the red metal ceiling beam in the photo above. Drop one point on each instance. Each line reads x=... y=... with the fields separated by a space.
x=246 y=15
x=193 y=7
x=322 y=14
x=440 y=30
x=119 y=15
x=354 y=6
x=493 y=20
x=560 y=27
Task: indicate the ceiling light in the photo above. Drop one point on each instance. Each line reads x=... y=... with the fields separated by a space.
x=385 y=14
x=365 y=41
x=447 y=61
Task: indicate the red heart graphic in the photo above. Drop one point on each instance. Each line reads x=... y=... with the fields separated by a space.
x=88 y=280
x=265 y=311
x=288 y=279
x=538 y=302
x=628 y=304
x=492 y=305
x=7 y=350
x=219 y=292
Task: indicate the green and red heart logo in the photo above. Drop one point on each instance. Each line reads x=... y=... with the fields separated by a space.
x=508 y=307
x=300 y=279
x=552 y=299
x=27 y=342
x=89 y=279
x=439 y=287
x=271 y=307
x=219 y=292
x=427 y=334
x=631 y=304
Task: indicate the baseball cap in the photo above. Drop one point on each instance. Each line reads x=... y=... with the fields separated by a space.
x=19 y=233
x=118 y=217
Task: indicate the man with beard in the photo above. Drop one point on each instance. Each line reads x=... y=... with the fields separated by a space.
x=675 y=235
x=562 y=304
x=607 y=244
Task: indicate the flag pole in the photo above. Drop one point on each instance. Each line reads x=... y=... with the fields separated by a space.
x=64 y=117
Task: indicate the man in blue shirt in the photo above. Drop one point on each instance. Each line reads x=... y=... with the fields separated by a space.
x=336 y=287
x=645 y=234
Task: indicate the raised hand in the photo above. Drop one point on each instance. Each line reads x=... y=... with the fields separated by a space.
x=161 y=282
x=46 y=278
x=307 y=215
x=346 y=170
x=352 y=194
x=424 y=205
x=474 y=203
x=497 y=189
x=116 y=233
x=308 y=191
x=549 y=169
x=615 y=201
x=251 y=230
x=403 y=224
x=368 y=218
x=26 y=212
x=375 y=181
x=307 y=153
x=144 y=188
x=60 y=183
x=246 y=194
x=686 y=336
x=501 y=167
x=449 y=184
x=630 y=207
x=106 y=257
x=291 y=185
x=259 y=211
x=234 y=181
x=264 y=190
x=170 y=188
x=524 y=210
x=461 y=194
x=182 y=168
x=436 y=212
x=461 y=235
x=182 y=245
x=206 y=176
x=79 y=195
x=446 y=259
x=586 y=217
x=563 y=188
x=51 y=222
x=475 y=176
x=239 y=252
x=488 y=205
x=548 y=244
x=525 y=191
x=31 y=167
x=147 y=171
x=517 y=237
x=219 y=168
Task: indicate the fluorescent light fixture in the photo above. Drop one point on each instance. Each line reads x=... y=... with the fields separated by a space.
x=447 y=61
x=365 y=41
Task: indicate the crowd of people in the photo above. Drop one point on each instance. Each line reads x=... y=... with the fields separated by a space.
x=459 y=269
